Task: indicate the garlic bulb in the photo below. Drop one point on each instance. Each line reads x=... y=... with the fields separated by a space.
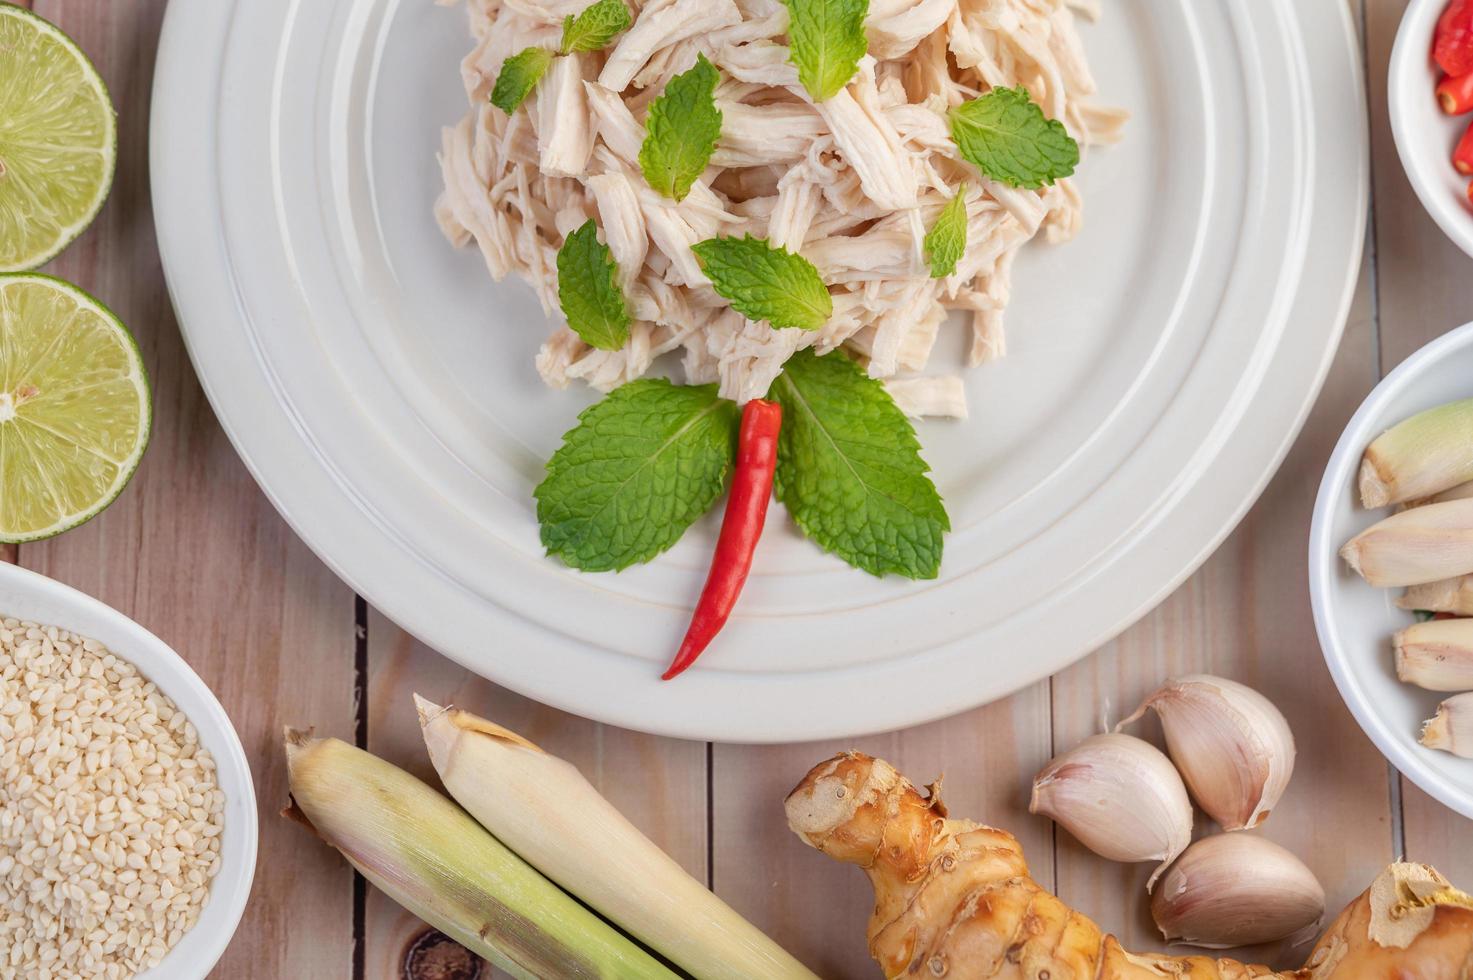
x=1120 y=796
x=1236 y=890
x=1232 y=746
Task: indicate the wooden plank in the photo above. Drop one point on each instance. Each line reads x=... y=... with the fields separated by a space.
x=1424 y=291
x=817 y=908
x=194 y=551
x=659 y=783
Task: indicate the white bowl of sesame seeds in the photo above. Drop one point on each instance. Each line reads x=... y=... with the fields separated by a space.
x=127 y=816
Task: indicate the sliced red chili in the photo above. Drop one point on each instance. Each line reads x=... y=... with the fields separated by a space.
x=741 y=526
x=1455 y=94
x=1452 y=47
x=1463 y=154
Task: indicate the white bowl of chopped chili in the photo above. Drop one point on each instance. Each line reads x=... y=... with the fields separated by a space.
x=1427 y=137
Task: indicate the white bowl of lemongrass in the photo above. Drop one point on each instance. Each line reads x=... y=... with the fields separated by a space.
x=1391 y=567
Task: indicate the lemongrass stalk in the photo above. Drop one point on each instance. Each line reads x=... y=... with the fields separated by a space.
x=1449 y=595
x=428 y=855
x=543 y=808
x=1436 y=655
x=1425 y=455
x=1414 y=547
x=1451 y=729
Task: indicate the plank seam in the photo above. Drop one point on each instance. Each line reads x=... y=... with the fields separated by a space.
x=1394 y=799
x=711 y=816
x=1053 y=828
x=360 y=739
x=1373 y=258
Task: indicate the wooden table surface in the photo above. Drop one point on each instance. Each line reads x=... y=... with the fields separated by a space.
x=195 y=553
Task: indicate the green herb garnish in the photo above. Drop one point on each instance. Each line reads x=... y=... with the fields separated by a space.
x=637 y=470
x=766 y=283
x=946 y=242
x=1005 y=135
x=519 y=75
x=683 y=127
x=826 y=40
x=588 y=290
x=850 y=471
x=595 y=27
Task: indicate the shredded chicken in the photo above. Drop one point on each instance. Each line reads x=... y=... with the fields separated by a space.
x=852 y=183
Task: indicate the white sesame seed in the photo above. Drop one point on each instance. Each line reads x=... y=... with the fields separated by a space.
x=109 y=811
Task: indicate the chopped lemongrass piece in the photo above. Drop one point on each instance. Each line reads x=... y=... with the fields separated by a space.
x=543 y=808
x=1451 y=729
x=1425 y=455
x=1449 y=595
x=1436 y=655
x=1425 y=544
x=428 y=855
x=1463 y=491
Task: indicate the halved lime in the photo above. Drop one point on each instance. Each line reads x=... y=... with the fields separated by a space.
x=74 y=406
x=58 y=140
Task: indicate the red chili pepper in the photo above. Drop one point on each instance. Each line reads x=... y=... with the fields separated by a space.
x=1455 y=94
x=1463 y=155
x=1452 y=48
x=746 y=511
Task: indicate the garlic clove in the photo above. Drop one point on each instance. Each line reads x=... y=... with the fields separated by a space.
x=1236 y=890
x=1414 y=547
x=1231 y=745
x=1451 y=729
x=1120 y=796
x=1436 y=655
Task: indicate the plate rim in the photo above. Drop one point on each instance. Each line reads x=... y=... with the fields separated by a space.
x=178 y=239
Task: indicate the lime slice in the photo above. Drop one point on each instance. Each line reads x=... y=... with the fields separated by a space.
x=58 y=140
x=74 y=407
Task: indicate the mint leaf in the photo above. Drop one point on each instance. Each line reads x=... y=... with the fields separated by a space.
x=1005 y=135
x=595 y=26
x=683 y=126
x=519 y=75
x=638 y=469
x=850 y=472
x=825 y=42
x=588 y=290
x=946 y=242
x=766 y=283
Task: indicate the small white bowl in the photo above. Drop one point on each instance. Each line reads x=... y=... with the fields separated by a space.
x=1355 y=622
x=29 y=596
x=1425 y=135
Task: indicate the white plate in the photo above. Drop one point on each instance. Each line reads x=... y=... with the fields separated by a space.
x=29 y=596
x=1425 y=135
x=1355 y=621
x=382 y=390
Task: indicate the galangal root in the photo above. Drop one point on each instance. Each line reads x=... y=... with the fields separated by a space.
x=953 y=899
